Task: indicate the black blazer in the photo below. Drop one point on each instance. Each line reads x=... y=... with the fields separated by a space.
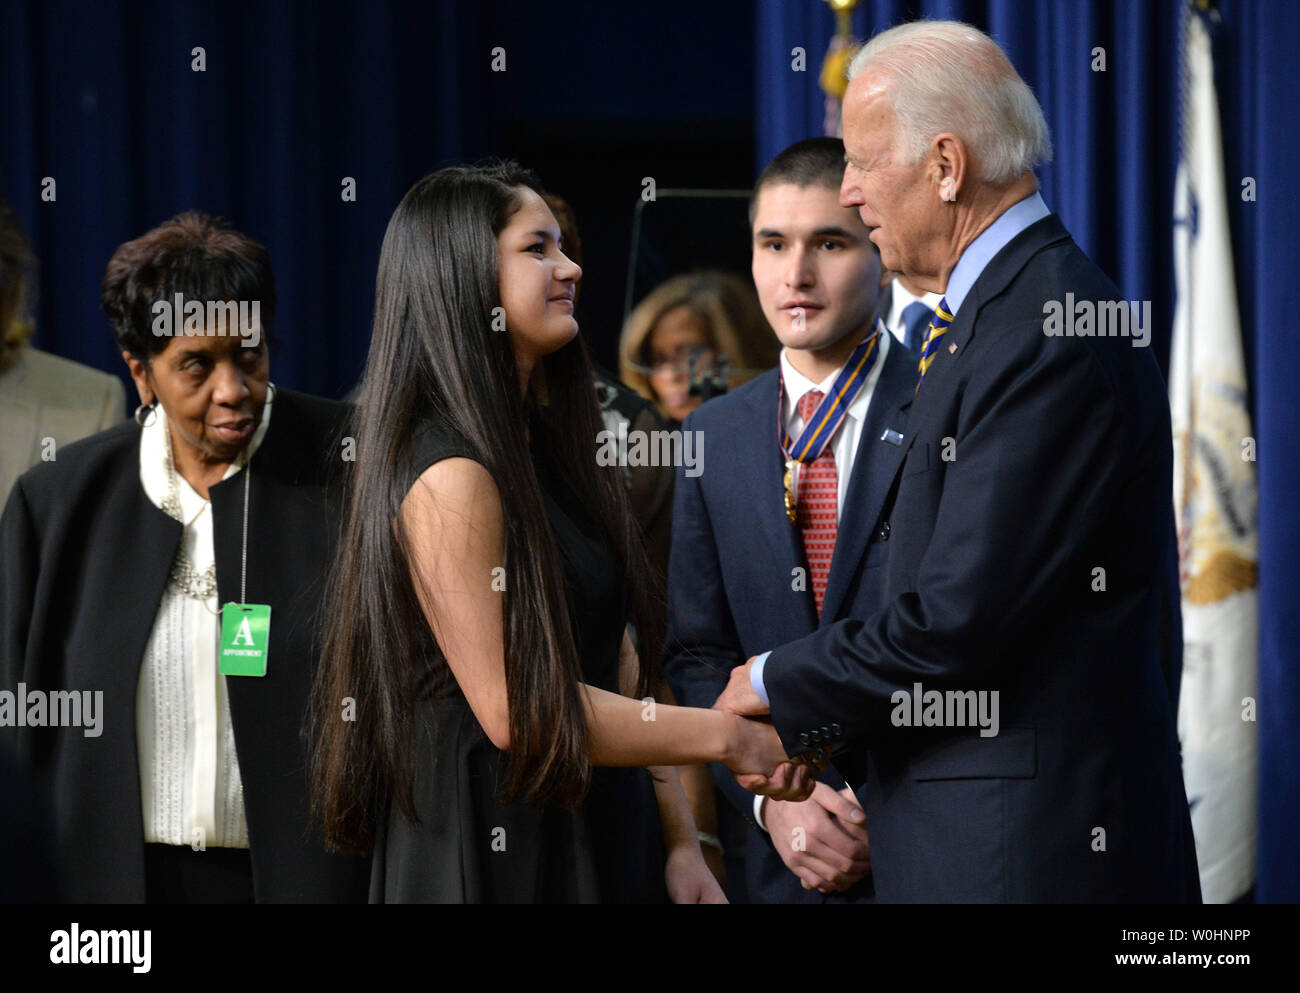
x=86 y=557
x=731 y=583
x=1030 y=462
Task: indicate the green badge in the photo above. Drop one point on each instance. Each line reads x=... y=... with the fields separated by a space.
x=245 y=638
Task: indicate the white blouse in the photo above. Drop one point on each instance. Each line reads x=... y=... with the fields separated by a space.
x=190 y=788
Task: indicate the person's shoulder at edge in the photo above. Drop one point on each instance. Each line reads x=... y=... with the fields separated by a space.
x=435 y=428
x=55 y=377
x=1055 y=270
x=434 y=439
x=446 y=474
x=86 y=457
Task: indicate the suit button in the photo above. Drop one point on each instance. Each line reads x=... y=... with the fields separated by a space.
x=883 y=533
x=836 y=730
x=804 y=739
x=826 y=733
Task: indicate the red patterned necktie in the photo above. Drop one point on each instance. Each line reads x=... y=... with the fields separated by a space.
x=818 y=481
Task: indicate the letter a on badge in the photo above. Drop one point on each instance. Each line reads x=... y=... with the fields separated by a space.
x=244 y=636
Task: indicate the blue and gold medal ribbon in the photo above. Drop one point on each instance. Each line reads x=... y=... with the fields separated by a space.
x=829 y=414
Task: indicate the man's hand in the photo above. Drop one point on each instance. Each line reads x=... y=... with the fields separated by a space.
x=820 y=840
x=739 y=696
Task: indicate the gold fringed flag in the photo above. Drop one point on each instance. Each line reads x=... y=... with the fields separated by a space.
x=834 y=79
x=1215 y=499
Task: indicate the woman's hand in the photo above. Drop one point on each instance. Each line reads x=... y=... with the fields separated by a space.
x=758 y=761
x=688 y=877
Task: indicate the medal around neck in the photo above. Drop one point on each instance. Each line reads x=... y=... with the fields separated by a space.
x=791 y=509
x=821 y=427
x=245 y=639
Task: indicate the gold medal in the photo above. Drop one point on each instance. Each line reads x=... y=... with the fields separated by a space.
x=789 y=490
x=831 y=410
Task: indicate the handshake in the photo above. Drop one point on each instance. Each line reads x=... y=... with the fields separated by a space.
x=818 y=832
x=757 y=758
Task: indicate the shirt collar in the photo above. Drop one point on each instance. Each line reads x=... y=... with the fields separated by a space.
x=980 y=252
x=901 y=299
x=797 y=384
x=154 y=476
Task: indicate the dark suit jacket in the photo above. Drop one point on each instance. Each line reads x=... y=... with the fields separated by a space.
x=27 y=870
x=733 y=555
x=86 y=557
x=1030 y=462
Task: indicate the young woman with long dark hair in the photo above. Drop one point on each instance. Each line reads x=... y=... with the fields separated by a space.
x=481 y=714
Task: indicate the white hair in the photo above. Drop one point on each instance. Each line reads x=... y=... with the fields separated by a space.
x=949 y=76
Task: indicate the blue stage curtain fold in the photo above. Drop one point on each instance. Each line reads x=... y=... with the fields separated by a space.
x=102 y=97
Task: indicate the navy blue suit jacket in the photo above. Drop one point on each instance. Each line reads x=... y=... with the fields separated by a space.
x=1030 y=463
x=732 y=586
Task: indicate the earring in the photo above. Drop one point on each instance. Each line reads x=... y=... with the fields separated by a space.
x=145 y=414
x=946 y=192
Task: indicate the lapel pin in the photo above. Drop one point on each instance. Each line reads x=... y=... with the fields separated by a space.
x=952 y=349
x=892 y=436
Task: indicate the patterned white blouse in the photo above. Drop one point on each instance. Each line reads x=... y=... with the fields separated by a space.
x=190 y=788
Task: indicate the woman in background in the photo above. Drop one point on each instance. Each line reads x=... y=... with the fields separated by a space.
x=704 y=316
x=487 y=576
x=183 y=782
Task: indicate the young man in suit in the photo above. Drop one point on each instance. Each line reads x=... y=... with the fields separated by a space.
x=780 y=533
x=1032 y=568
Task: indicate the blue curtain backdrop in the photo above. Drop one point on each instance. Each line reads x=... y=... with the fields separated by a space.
x=296 y=96
x=1111 y=180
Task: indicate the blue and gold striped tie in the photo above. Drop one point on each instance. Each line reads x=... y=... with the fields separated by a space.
x=939 y=324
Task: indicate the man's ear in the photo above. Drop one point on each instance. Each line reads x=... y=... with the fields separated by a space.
x=948 y=163
x=140 y=376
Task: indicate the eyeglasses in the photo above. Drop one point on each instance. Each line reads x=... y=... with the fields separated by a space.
x=680 y=361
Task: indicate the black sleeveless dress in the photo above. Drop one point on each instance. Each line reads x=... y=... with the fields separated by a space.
x=467 y=847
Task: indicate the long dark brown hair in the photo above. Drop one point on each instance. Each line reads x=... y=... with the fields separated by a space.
x=435 y=354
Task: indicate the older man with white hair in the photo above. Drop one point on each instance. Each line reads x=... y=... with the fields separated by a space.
x=1017 y=688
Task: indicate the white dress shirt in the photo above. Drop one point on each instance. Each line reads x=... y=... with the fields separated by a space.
x=190 y=788
x=844 y=443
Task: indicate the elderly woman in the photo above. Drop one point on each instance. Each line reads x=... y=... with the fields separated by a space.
x=165 y=575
